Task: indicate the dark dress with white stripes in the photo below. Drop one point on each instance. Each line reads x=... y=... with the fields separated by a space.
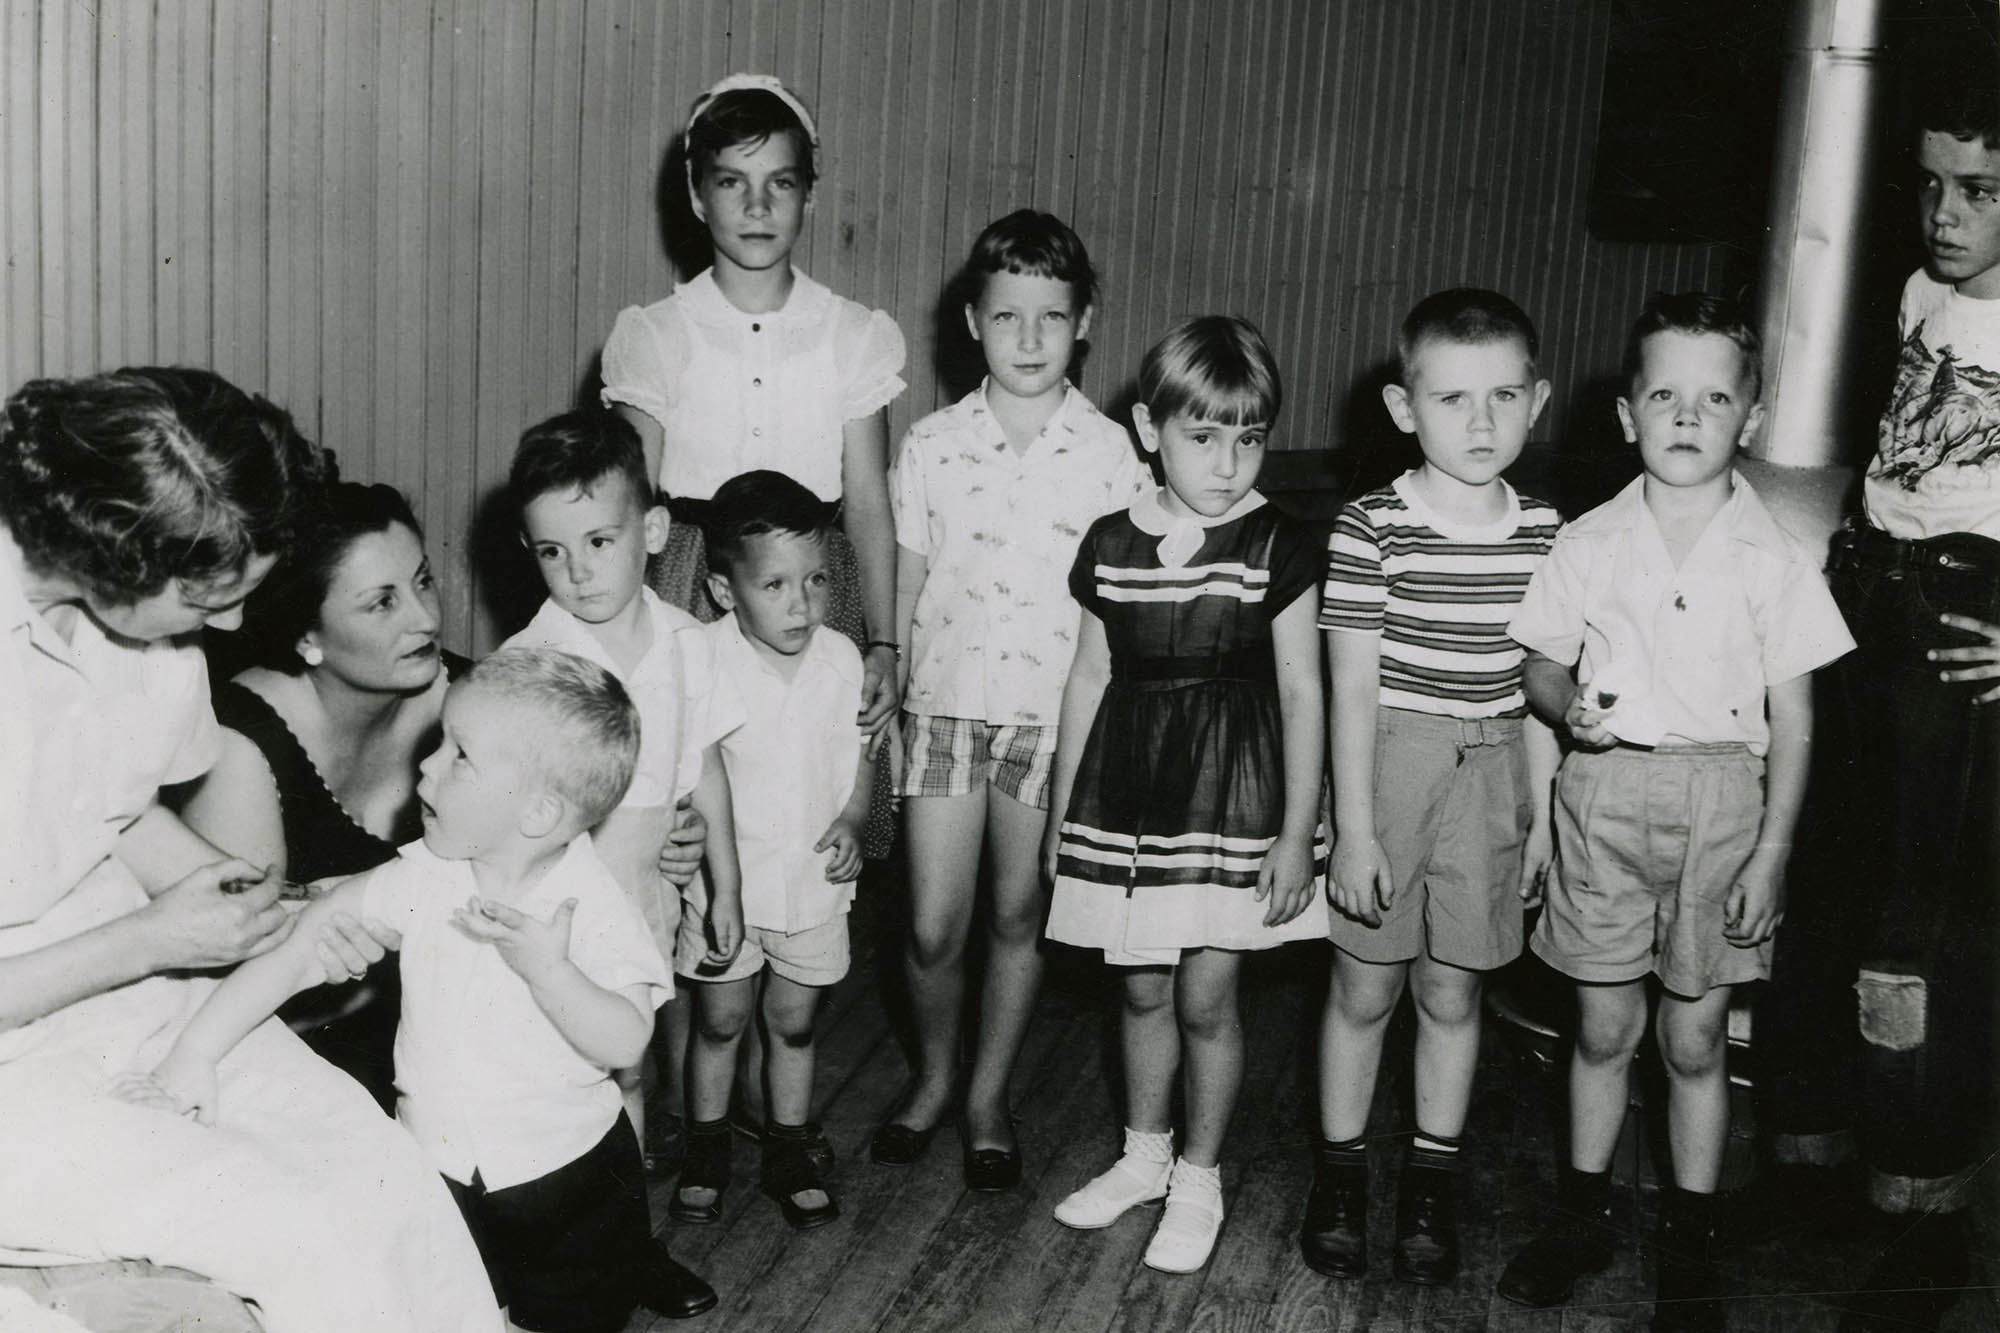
x=1181 y=788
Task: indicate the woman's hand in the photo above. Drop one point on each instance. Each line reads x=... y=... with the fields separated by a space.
x=680 y=858
x=1982 y=659
x=198 y=922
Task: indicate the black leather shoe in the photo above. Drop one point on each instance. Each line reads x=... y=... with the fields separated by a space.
x=1576 y=1242
x=899 y=1145
x=1334 y=1237
x=706 y=1168
x=671 y=1289
x=1689 y=1293
x=992 y=1170
x=789 y=1172
x=1427 y=1220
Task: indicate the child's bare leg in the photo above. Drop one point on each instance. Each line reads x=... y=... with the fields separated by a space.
x=1151 y=1041
x=943 y=856
x=1447 y=1044
x=790 y=1010
x=752 y=1093
x=721 y=1012
x=1205 y=1004
x=670 y=1049
x=1360 y=997
x=1013 y=963
x=1611 y=1020
x=1694 y=1039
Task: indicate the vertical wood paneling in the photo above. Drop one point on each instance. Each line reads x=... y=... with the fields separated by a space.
x=413 y=221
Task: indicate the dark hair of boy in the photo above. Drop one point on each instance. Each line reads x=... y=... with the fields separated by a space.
x=1465 y=315
x=1036 y=245
x=574 y=452
x=1958 y=90
x=744 y=117
x=1695 y=313
x=1212 y=368
x=756 y=504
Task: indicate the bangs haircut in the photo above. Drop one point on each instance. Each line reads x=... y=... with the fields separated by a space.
x=1212 y=368
x=745 y=118
x=1957 y=91
x=1695 y=313
x=1469 y=316
x=131 y=480
x=288 y=602
x=756 y=504
x=580 y=729
x=577 y=451
x=1036 y=245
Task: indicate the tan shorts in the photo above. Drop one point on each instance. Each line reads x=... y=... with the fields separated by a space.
x=949 y=756
x=1451 y=814
x=1648 y=845
x=814 y=957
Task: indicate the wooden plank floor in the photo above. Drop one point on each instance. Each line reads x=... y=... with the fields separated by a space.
x=913 y=1250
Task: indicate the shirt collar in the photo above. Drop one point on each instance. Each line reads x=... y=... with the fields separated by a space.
x=1181 y=535
x=819 y=653
x=554 y=883
x=804 y=304
x=1062 y=421
x=1743 y=517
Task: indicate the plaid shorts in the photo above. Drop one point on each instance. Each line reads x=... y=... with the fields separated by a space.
x=947 y=755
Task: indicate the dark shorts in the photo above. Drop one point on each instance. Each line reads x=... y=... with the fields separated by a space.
x=564 y=1251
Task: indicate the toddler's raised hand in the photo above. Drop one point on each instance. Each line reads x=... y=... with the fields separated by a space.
x=843 y=839
x=1982 y=659
x=1285 y=879
x=532 y=948
x=1360 y=885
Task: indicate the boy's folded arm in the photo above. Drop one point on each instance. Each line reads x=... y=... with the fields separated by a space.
x=1550 y=687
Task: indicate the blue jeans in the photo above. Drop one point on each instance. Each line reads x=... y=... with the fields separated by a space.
x=1894 y=881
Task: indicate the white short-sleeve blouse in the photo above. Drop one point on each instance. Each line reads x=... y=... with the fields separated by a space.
x=735 y=392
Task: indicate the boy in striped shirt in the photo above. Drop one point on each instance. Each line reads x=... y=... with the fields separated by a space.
x=1441 y=778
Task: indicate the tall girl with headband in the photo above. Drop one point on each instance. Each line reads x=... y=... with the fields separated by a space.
x=1189 y=766
x=752 y=364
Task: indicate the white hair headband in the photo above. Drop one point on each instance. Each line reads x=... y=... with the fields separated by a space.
x=751 y=83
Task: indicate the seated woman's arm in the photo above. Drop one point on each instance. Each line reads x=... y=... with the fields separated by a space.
x=191 y=923
x=235 y=805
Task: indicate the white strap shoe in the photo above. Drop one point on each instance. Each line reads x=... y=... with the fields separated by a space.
x=1132 y=1180
x=1192 y=1220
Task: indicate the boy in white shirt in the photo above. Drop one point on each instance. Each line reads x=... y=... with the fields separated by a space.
x=1673 y=633
x=578 y=482
x=527 y=978
x=800 y=774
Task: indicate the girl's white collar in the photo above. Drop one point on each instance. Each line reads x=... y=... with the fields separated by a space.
x=1181 y=535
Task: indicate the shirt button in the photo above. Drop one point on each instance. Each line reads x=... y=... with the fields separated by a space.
x=756 y=328
x=757 y=431
x=756 y=382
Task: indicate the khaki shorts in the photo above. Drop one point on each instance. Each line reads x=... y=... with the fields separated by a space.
x=1648 y=845
x=1451 y=814
x=814 y=957
x=949 y=756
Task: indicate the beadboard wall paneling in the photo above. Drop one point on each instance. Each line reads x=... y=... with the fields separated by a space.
x=413 y=222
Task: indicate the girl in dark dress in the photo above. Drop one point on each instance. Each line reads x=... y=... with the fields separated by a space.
x=1189 y=766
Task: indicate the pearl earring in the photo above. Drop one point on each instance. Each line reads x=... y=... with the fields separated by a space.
x=310 y=654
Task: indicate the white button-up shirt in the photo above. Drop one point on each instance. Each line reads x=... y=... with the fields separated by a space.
x=1746 y=609
x=89 y=731
x=484 y=1080
x=735 y=392
x=995 y=626
x=684 y=704
x=791 y=767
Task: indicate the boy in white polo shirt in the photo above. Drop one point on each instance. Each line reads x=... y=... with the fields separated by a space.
x=799 y=773
x=527 y=978
x=1673 y=632
x=992 y=495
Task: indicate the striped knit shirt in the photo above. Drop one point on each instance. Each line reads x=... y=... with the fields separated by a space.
x=1440 y=593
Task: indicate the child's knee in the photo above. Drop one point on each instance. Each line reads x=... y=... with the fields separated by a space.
x=1609 y=1039
x=720 y=1025
x=1207 y=1018
x=1693 y=1051
x=1147 y=995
